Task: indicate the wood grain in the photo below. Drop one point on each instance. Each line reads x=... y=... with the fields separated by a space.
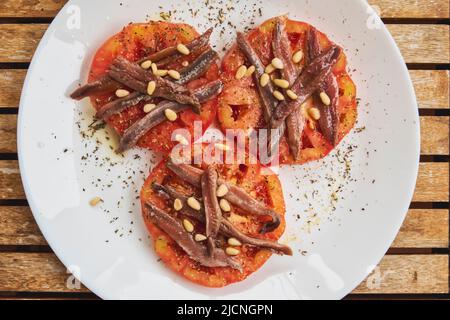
x=432 y=182
x=432 y=88
x=10 y=183
x=8 y=128
x=426 y=228
x=412 y=8
x=434 y=135
x=18 y=227
x=418 y=43
x=34 y=272
x=43 y=272
x=408 y=274
x=11 y=82
x=19 y=41
x=388 y=8
x=31 y=8
x=422 y=43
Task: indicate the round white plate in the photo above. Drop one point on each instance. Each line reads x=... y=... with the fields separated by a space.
x=343 y=212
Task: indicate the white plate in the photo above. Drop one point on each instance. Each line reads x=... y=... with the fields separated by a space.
x=107 y=247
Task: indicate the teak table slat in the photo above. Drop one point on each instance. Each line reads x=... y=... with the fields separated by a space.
x=417 y=265
x=419 y=43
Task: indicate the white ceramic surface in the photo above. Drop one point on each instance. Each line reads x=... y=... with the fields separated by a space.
x=107 y=246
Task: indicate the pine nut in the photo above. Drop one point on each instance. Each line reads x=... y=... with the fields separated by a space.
x=234 y=242
x=151 y=87
x=181 y=139
x=170 y=114
x=325 y=98
x=183 y=49
x=95 y=201
x=222 y=190
x=297 y=56
x=149 y=107
x=269 y=69
x=174 y=74
x=185 y=63
x=281 y=83
x=146 y=64
x=193 y=203
x=222 y=146
x=250 y=71
x=232 y=251
x=278 y=95
x=199 y=237
x=154 y=68
x=277 y=63
x=264 y=80
x=177 y=204
x=188 y=226
x=121 y=93
x=314 y=113
x=224 y=205
x=241 y=71
x=161 y=73
x=291 y=94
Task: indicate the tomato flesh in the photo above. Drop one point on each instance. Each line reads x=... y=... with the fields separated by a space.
x=135 y=42
x=266 y=188
x=249 y=115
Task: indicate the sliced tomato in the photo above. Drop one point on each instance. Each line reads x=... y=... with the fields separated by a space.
x=266 y=188
x=233 y=114
x=134 y=42
x=239 y=107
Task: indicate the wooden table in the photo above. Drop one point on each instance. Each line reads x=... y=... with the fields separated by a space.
x=416 y=266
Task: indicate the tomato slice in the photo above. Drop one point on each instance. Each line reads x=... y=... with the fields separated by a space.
x=134 y=42
x=266 y=188
x=233 y=113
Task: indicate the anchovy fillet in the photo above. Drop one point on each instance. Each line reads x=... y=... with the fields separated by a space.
x=268 y=101
x=295 y=121
x=306 y=84
x=170 y=54
x=161 y=58
x=132 y=135
x=118 y=105
x=213 y=214
x=226 y=229
x=136 y=78
x=195 y=250
x=103 y=84
x=282 y=49
x=236 y=195
x=198 y=67
x=329 y=116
